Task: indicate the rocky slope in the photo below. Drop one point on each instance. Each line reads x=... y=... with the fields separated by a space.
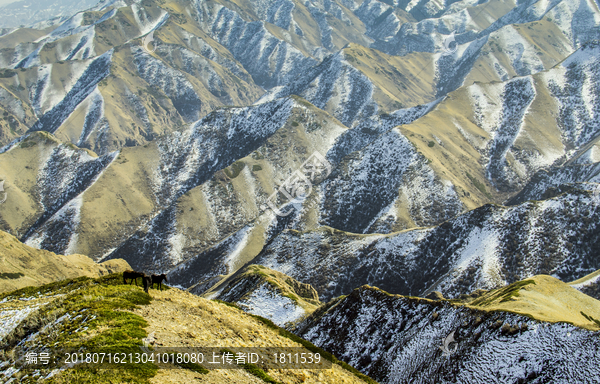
x=399 y=339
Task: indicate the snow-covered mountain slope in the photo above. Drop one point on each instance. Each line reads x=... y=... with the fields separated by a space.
x=369 y=185
x=212 y=54
x=397 y=339
x=217 y=227
x=355 y=83
x=163 y=202
x=498 y=135
x=17 y=115
x=553 y=178
x=466 y=22
x=156 y=177
x=126 y=96
x=84 y=35
x=158 y=228
x=480 y=144
x=200 y=60
x=482 y=249
x=232 y=205
x=267 y=293
x=373 y=186
x=46 y=178
x=232 y=50
x=499 y=52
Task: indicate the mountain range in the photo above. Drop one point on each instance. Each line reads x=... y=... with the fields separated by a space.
x=281 y=154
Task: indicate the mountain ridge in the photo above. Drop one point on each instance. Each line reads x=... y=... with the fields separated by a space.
x=398 y=339
x=184 y=137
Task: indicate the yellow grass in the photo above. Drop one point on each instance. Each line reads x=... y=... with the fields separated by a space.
x=546 y=299
x=23 y=266
x=180 y=319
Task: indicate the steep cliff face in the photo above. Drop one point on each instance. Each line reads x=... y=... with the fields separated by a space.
x=397 y=339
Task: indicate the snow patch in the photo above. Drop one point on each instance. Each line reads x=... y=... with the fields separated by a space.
x=271 y=305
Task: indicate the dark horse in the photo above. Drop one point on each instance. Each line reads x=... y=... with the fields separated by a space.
x=158 y=279
x=133 y=275
x=147 y=281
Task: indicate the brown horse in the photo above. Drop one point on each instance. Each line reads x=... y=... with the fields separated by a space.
x=133 y=275
x=158 y=279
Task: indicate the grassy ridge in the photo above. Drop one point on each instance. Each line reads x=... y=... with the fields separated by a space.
x=98 y=320
x=504 y=294
x=94 y=320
